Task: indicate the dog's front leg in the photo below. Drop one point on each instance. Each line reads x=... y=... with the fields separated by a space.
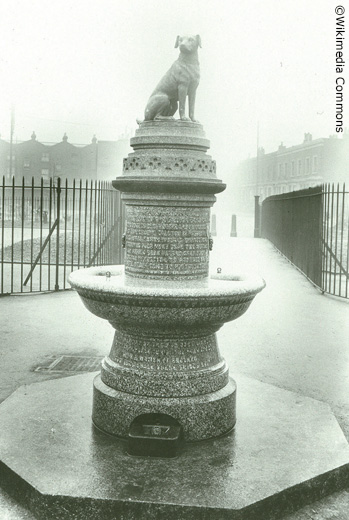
x=182 y=94
x=191 y=101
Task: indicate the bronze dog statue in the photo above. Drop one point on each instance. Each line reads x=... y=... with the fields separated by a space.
x=180 y=81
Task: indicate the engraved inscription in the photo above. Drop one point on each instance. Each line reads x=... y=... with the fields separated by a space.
x=162 y=240
x=164 y=355
x=155 y=429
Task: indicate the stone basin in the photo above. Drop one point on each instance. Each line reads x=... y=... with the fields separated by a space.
x=163 y=304
x=109 y=294
x=164 y=358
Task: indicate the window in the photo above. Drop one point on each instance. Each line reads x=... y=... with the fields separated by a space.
x=315 y=163
x=281 y=170
x=286 y=170
x=299 y=167
x=58 y=168
x=45 y=174
x=26 y=163
x=264 y=173
x=293 y=169
x=45 y=157
x=13 y=157
x=307 y=165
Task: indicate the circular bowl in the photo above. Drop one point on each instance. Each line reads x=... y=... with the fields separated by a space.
x=120 y=299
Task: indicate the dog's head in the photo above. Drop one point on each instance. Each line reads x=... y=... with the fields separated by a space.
x=188 y=44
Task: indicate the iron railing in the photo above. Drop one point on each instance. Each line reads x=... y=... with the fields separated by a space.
x=310 y=227
x=50 y=229
x=335 y=240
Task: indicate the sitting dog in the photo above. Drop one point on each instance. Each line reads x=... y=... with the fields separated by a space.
x=180 y=81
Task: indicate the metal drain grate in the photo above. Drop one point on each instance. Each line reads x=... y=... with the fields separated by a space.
x=72 y=364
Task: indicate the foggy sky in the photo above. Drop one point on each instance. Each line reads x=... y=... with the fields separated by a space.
x=87 y=68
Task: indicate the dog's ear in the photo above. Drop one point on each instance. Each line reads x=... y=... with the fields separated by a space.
x=177 y=42
x=198 y=40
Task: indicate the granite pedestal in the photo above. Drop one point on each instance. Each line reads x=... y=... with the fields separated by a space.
x=163 y=305
x=285 y=451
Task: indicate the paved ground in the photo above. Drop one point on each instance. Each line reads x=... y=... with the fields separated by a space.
x=292 y=337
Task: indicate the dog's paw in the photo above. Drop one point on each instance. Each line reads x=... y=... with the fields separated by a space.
x=184 y=118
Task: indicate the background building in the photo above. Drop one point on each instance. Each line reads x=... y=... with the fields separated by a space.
x=110 y=156
x=99 y=160
x=288 y=169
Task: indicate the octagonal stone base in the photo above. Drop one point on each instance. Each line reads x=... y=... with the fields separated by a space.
x=285 y=451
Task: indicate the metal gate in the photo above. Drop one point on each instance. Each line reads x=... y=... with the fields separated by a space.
x=335 y=240
x=311 y=228
x=293 y=223
x=49 y=229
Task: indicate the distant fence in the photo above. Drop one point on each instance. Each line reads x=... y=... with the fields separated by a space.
x=310 y=227
x=49 y=229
